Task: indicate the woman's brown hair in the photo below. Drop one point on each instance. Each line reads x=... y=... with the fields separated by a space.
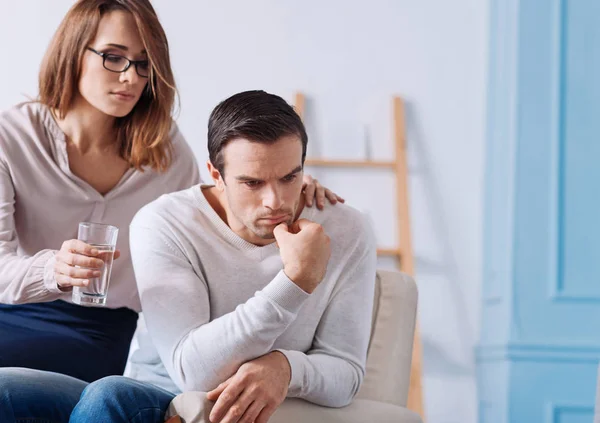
x=143 y=134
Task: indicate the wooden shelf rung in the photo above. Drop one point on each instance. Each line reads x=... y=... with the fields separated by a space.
x=394 y=252
x=350 y=163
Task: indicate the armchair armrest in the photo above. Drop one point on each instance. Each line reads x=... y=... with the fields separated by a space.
x=193 y=407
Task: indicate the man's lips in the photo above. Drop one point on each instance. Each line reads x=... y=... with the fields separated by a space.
x=275 y=219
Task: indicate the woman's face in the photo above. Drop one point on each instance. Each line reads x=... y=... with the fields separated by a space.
x=114 y=93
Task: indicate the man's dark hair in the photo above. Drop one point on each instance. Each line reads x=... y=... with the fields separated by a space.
x=256 y=116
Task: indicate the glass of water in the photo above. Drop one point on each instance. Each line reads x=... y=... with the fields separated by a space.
x=104 y=239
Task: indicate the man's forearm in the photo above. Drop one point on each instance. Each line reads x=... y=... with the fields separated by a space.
x=214 y=351
x=323 y=379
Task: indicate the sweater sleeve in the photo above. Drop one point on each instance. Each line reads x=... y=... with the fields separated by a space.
x=199 y=353
x=23 y=279
x=331 y=372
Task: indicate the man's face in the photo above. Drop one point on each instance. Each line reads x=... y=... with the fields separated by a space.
x=263 y=183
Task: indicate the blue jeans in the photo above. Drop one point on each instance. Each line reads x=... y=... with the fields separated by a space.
x=34 y=396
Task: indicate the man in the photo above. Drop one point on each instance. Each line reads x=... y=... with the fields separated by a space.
x=248 y=295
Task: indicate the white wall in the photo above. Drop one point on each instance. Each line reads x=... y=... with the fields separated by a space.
x=349 y=58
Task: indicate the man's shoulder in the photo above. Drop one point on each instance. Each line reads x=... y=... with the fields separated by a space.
x=343 y=223
x=168 y=208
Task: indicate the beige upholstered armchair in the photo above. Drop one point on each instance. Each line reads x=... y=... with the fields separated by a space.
x=382 y=397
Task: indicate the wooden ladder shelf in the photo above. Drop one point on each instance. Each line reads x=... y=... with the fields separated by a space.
x=404 y=252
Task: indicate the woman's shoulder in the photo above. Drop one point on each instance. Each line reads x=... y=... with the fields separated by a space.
x=25 y=111
x=182 y=151
x=177 y=139
x=27 y=123
x=26 y=117
x=15 y=115
x=183 y=171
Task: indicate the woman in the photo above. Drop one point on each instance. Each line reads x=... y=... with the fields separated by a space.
x=98 y=145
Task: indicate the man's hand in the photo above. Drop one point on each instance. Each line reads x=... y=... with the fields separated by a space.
x=305 y=252
x=253 y=394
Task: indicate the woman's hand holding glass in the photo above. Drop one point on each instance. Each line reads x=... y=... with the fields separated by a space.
x=76 y=264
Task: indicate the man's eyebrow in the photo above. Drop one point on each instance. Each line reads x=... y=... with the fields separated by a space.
x=296 y=170
x=246 y=178
x=251 y=178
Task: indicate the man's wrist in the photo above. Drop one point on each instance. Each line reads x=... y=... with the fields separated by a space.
x=285 y=364
x=301 y=282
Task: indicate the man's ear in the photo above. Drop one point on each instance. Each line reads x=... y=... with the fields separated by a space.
x=216 y=176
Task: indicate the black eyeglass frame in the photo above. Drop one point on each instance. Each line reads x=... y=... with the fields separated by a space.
x=129 y=62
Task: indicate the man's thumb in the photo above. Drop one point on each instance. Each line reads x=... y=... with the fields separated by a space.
x=280 y=232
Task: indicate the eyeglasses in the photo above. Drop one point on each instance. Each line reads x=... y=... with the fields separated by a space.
x=118 y=64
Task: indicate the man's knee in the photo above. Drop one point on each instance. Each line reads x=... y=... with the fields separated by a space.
x=107 y=384
x=10 y=389
x=118 y=389
x=11 y=377
x=32 y=394
x=16 y=380
x=121 y=399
